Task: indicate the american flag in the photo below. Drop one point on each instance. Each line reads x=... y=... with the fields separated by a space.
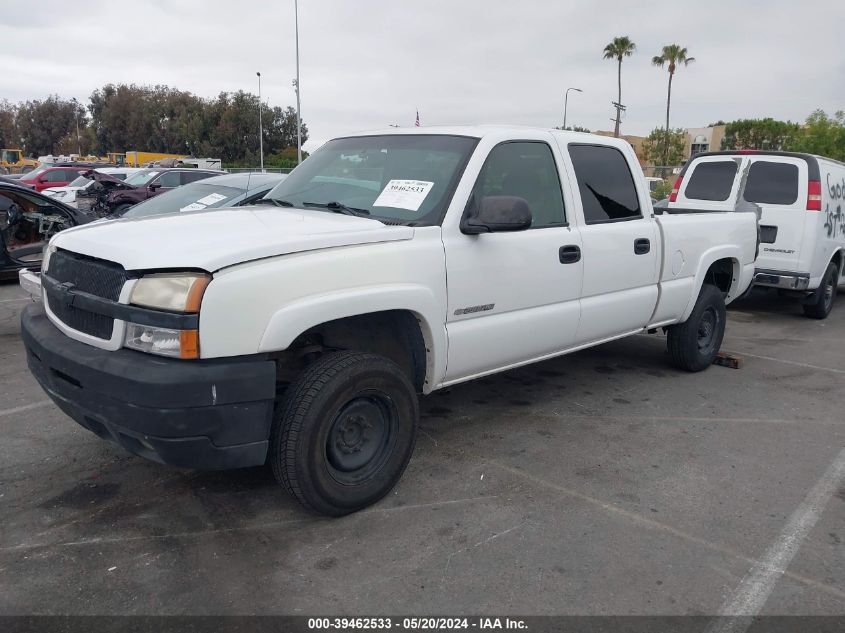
x=417 y=122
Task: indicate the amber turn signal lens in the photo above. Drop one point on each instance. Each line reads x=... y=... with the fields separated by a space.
x=189 y=344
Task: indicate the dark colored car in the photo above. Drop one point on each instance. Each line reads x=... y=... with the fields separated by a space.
x=45 y=177
x=13 y=181
x=27 y=221
x=114 y=196
x=230 y=190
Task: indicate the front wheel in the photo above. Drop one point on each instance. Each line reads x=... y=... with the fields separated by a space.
x=344 y=432
x=822 y=303
x=694 y=343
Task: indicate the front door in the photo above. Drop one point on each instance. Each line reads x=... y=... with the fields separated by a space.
x=513 y=297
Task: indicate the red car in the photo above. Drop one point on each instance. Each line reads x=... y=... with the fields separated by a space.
x=45 y=177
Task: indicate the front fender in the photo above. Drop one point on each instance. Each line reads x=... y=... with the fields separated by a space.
x=292 y=320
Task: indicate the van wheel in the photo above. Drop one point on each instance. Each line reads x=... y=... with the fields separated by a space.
x=822 y=303
x=694 y=343
x=344 y=432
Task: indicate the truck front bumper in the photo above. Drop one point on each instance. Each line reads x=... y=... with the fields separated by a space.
x=206 y=414
x=778 y=279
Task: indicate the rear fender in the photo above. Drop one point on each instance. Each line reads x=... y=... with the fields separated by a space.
x=708 y=258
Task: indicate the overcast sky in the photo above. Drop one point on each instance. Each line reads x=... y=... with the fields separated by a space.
x=369 y=63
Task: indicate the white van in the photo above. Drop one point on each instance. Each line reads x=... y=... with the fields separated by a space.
x=802 y=223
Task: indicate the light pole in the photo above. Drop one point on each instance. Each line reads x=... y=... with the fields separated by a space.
x=566 y=103
x=296 y=85
x=260 y=125
x=76 y=114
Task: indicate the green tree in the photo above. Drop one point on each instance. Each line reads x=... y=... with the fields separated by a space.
x=573 y=128
x=618 y=49
x=665 y=149
x=8 y=131
x=671 y=56
x=765 y=134
x=41 y=125
x=822 y=135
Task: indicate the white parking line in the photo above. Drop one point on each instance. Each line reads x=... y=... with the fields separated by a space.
x=13 y=300
x=754 y=590
x=26 y=407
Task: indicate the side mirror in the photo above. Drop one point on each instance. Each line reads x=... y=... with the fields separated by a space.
x=497 y=213
x=154 y=186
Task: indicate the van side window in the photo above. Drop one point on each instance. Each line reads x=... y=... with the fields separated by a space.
x=772 y=183
x=607 y=187
x=711 y=181
x=526 y=170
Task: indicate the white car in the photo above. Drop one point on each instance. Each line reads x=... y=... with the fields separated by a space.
x=802 y=224
x=387 y=264
x=68 y=193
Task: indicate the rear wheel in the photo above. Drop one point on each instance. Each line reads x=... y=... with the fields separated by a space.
x=694 y=343
x=822 y=301
x=344 y=432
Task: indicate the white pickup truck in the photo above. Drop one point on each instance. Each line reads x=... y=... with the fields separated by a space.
x=300 y=331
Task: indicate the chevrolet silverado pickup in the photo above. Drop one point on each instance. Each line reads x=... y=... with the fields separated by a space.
x=299 y=331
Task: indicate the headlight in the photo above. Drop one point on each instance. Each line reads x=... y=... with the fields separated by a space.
x=45 y=256
x=175 y=292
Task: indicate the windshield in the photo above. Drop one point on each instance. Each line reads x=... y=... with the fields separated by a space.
x=407 y=179
x=32 y=175
x=193 y=197
x=142 y=177
x=79 y=182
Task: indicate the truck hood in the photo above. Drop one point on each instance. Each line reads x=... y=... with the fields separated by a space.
x=211 y=240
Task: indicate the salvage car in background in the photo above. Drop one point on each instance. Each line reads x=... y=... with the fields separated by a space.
x=68 y=193
x=46 y=177
x=230 y=190
x=114 y=196
x=27 y=221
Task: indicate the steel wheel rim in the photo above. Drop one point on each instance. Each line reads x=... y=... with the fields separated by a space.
x=707 y=328
x=360 y=437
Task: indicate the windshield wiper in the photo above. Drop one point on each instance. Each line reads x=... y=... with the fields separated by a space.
x=338 y=207
x=273 y=201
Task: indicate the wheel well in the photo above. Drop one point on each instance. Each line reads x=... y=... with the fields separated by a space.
x=837 y=259
x=721 y=275
x=394 y=334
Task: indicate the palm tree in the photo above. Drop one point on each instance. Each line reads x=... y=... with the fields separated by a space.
x=672 y=54
x=620 y=47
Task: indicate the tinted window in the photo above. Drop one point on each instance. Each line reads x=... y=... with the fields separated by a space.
x=169 y=179
x=193 y=197
x=525 y=170
x=56 y=175
x=193 y=176
x=772 y=183
x=711 y=181
x=607 y=188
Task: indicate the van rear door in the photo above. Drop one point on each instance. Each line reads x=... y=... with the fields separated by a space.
x=778 y=184
x=710 y=183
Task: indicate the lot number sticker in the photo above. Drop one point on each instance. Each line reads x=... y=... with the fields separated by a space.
x=211 y=198
x=404 y=194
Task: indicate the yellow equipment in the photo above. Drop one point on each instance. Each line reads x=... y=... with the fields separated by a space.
x=139 y=159
x=12 y=161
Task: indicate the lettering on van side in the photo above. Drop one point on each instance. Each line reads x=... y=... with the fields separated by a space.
x=835 y=221
x=473 y=309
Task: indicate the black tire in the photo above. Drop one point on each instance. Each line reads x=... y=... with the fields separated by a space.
x=825 y=295
x=694 y=343
x=344 y=432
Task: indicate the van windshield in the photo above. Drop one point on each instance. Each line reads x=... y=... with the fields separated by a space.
x=406 y=179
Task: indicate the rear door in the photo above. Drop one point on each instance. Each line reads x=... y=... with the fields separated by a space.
x=710 y=183
x=778 y=184
x=620 y=248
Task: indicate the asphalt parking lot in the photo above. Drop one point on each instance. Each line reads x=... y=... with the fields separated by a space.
x=604 y=482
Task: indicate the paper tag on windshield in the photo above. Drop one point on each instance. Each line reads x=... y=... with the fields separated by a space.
x=194 y=206
x=404 y=194
x=211 y=199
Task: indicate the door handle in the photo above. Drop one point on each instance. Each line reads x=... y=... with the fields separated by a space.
x=569 y=254
x=641 y=246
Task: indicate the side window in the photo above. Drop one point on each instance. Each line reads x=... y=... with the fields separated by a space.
x=607 y=187
x=192 y=176
x=56 y=175
x=169 y=179
x=711 y=181
x=526 y=170
x=772 y=183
